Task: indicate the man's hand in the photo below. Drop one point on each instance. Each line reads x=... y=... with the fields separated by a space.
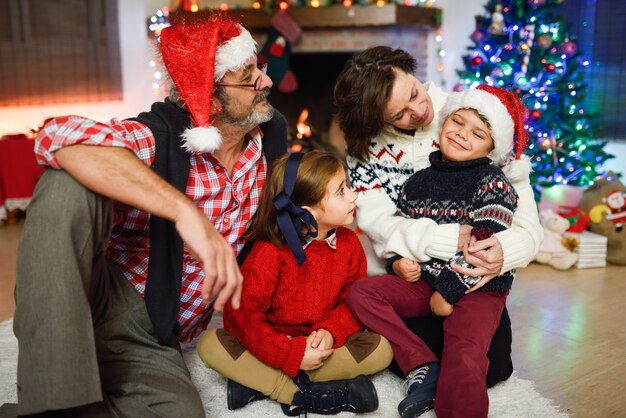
x=313 y=357
x=487 y=257
x=322 y=339
x=117 y=173
x=222 y=279
x=407 y=269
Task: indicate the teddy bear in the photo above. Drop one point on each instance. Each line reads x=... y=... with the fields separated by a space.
x=552 y=251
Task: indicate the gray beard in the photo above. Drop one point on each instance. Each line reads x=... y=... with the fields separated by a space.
x=254 y=119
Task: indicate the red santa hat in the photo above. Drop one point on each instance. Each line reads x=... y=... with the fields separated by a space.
x=504 y=112
x=196 y=55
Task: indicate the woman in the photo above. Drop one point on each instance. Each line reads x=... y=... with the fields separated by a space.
x=390 y=124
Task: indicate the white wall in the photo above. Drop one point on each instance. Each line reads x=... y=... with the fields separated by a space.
x=457 y=25
x=136 y=79
x=151 y=6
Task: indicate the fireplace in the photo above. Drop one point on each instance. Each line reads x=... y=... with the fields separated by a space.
x=316 y=74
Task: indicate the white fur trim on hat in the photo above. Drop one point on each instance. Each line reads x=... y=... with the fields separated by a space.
x=200 y=140
x=492 y=109
x=233 y=54
x=517 y=170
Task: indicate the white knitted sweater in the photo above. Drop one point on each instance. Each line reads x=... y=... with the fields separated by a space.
x=393 y=158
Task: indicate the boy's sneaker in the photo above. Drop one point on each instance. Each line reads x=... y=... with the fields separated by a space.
x=238 y=396
x=420 y=385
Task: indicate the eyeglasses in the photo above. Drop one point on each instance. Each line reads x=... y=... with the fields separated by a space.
x=257 y=83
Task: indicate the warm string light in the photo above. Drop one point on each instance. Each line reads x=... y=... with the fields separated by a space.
x=161 y=18
x=440 y=54
x=194 y=6
x=158 y=22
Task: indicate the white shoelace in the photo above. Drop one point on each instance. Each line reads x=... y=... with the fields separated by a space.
x=414 y=376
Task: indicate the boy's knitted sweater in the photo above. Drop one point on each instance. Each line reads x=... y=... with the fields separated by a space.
x=393 y=157
x=469 y=192
x=283 y=302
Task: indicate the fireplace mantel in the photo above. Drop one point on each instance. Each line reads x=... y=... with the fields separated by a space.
x=338 y=16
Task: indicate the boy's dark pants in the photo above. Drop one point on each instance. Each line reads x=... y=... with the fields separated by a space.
x=85 y=339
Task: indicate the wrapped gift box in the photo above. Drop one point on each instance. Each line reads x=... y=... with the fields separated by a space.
x=591 y=249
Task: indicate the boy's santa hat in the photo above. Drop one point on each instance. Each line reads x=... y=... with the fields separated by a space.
x=505 y=114
x=197 y=54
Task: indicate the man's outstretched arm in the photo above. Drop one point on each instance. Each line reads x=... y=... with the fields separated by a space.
x=118 y=174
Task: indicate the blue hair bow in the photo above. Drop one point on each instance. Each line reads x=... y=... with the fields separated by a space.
x=292 y=218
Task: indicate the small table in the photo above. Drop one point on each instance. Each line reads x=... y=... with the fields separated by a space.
x=19 y=172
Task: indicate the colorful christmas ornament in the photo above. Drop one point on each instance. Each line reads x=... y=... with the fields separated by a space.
x=535 y=114
x=544 y=41
x=568 y=48
x=477 y=61
x=550 y=67
x=545 y=144
x=477 y=36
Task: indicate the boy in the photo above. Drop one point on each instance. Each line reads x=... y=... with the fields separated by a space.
x=475 y=131
x=479 y=127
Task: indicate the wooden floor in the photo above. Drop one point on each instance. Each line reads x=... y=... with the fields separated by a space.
x=569 y=331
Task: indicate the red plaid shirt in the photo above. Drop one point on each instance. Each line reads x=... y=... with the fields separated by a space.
x=228 y=201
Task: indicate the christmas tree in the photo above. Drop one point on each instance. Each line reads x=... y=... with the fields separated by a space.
x=524 y=45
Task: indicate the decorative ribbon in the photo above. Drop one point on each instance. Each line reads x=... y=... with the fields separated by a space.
x=292 y=218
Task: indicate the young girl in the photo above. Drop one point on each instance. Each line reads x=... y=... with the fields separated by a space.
x=293 y=338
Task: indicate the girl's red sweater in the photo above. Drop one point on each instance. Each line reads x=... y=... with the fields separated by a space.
x=283 y=302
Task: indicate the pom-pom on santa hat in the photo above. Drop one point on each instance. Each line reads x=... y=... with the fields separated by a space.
x=504 y=112
x=196 y=55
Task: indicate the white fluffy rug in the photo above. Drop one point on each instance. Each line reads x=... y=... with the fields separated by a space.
x=515 y=398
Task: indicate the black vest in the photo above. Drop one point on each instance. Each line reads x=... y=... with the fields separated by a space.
x=167 y=121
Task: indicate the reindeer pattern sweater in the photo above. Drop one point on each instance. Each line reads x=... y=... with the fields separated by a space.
x=283 y=302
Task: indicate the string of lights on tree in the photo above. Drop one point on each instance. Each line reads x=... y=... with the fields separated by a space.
x=525 y=45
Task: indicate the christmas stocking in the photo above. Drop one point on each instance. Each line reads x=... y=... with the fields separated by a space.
x=277 y=50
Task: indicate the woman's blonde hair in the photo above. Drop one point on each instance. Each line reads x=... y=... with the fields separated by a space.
x=316 y=169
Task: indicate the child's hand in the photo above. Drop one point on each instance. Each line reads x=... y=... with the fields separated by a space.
x=313 y=357
x=409 y=270
x=439 y=306
x=322 y=339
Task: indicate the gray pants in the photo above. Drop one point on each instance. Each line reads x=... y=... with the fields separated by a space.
x=86 y=343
